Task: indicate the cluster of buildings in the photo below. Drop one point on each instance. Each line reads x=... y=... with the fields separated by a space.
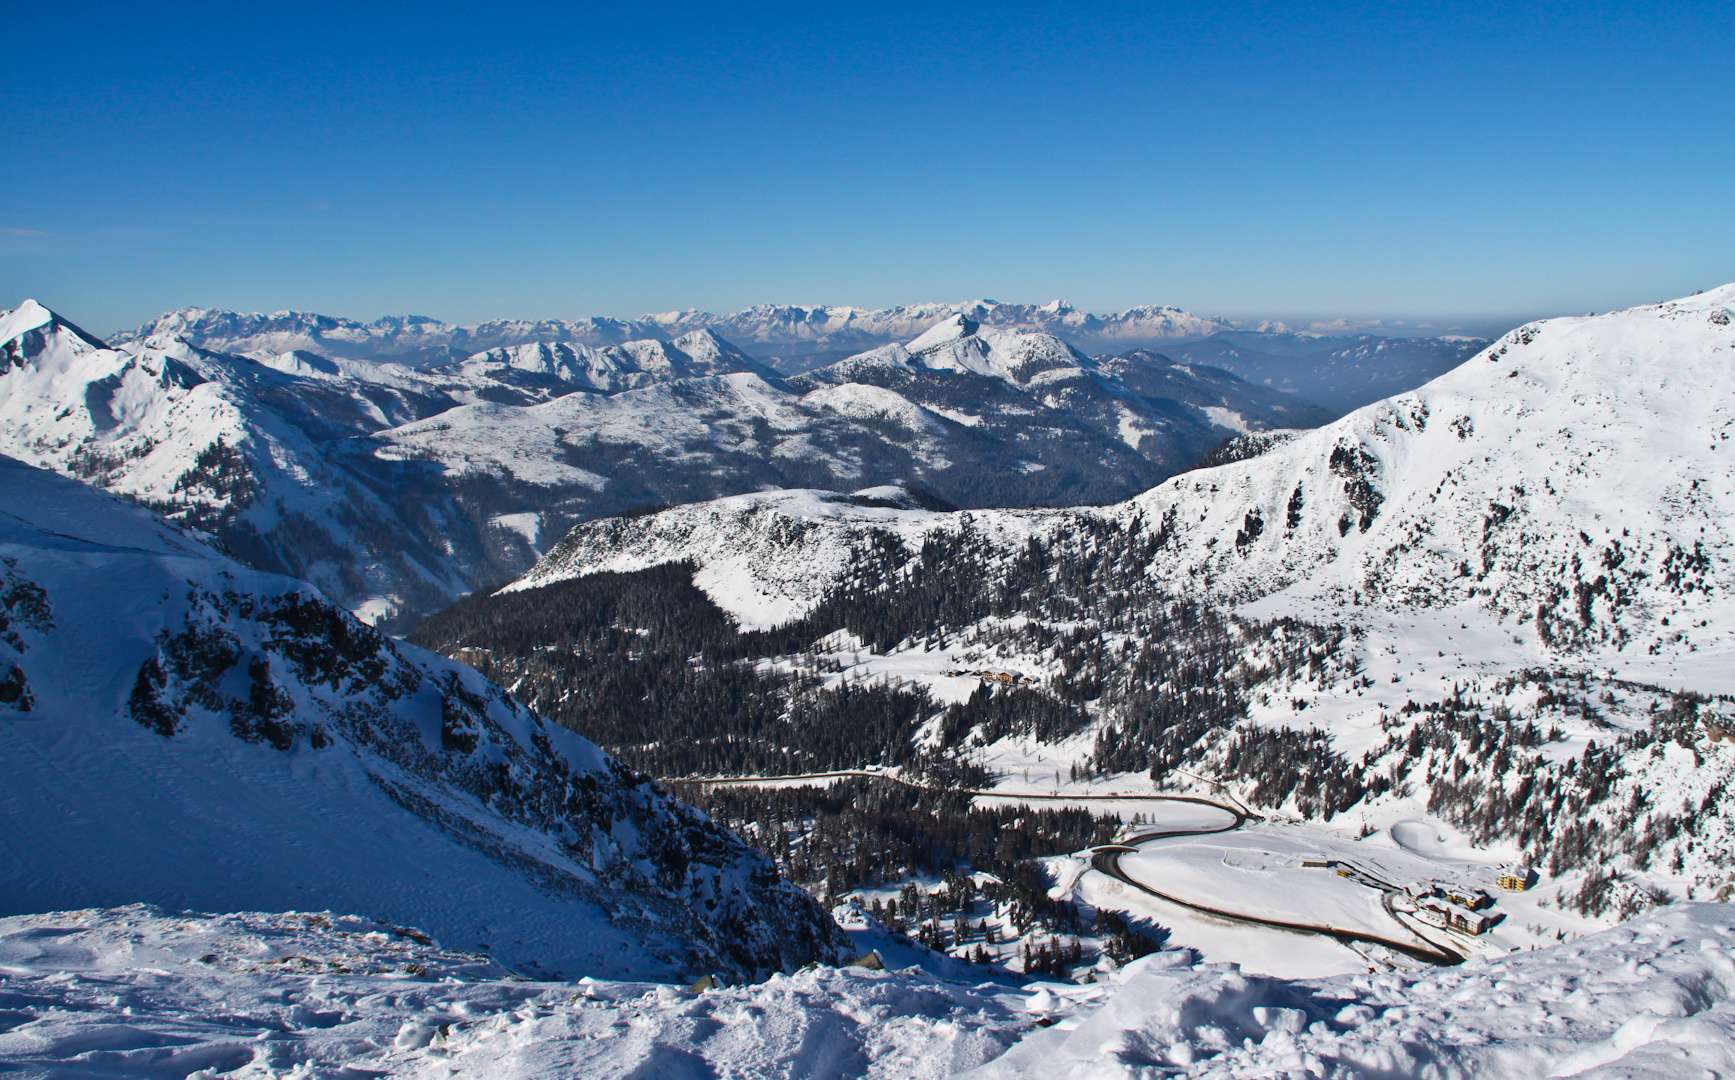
x=1449 y=905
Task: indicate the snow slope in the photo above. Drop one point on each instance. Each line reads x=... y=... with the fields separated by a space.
x=145 y=992
x=1574 y=482
x=179 y=729
x=1650 y=999
x=765 y=558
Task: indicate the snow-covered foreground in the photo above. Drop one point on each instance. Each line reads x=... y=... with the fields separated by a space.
x=142 y=992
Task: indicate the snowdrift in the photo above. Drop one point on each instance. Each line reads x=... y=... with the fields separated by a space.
x=130 y=991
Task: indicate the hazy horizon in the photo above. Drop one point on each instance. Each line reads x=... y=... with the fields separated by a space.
x=1483 y=326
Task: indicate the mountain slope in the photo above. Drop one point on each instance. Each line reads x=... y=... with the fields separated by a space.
x=182 y=730
x=240 y=450
x=1498 y=604
x=1574 y=480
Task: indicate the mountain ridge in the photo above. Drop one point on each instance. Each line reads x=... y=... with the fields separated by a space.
x=1340 y=372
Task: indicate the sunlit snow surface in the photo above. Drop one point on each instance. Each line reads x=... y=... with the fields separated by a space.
x=143 y=992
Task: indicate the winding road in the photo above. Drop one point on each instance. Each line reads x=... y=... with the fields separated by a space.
x=1106 y=860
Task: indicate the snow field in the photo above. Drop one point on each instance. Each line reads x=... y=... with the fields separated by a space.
x=143 y=992
x=1259 y=872
x=1651 y=999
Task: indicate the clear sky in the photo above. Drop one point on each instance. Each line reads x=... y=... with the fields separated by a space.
x=470 y=161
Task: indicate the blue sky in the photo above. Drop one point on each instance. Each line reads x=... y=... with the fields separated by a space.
x=1451 y=163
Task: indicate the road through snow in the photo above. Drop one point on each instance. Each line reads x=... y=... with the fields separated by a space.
x=1208 y=817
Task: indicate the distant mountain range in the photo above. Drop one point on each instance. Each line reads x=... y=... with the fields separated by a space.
x=397 y=489
x=1338 y=372
x=770 y=329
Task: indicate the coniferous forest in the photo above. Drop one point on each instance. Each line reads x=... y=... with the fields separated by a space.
x=649 y=667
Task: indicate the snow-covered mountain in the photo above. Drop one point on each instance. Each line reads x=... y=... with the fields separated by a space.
x=791 y=328
x=1572 y=481
x=612 y=368
x=260 y=451
x=774 y=328
x=412 y=339
x=243 y=450
x=1500 y=603
x=180 y=729
x=980 y=417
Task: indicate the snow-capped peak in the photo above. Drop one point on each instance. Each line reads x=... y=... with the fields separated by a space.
x=25 y=317
x=707 y=353
x=942 y=332
x=29 y=318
